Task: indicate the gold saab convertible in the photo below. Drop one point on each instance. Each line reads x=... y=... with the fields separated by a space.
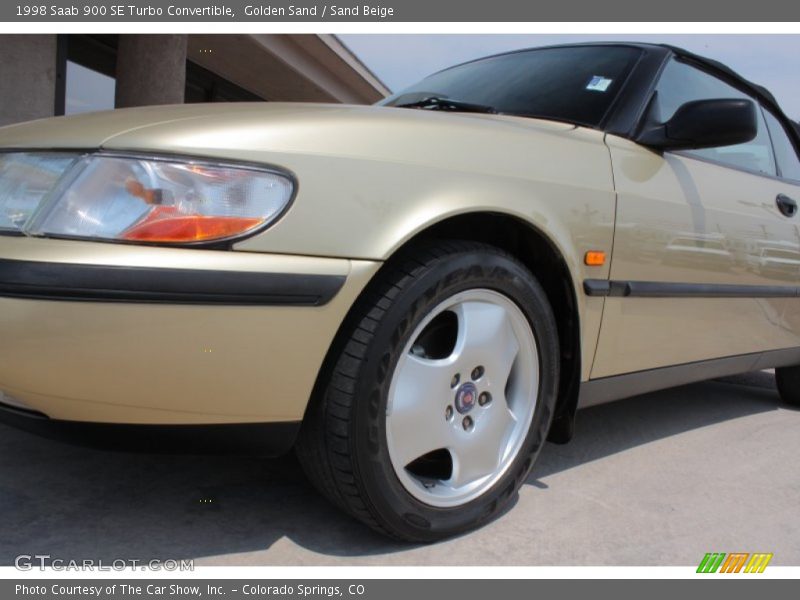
x=413 y=296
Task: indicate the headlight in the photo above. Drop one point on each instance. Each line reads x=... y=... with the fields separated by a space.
x=128 y=198
x=25 y=179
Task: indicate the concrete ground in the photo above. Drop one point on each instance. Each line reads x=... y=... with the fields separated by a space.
x=656 y=480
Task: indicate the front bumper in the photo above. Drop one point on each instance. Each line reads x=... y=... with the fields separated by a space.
x=262 y=439
x=110 y=333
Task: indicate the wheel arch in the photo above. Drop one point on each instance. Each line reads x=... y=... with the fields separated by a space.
x=541 y=256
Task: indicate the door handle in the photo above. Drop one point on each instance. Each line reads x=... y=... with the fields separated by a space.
x=786 y=205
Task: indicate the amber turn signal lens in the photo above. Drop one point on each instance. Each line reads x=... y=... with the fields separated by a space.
x=164 y=224
x=594 y=258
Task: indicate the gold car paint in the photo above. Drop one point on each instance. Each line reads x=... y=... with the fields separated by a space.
x=89 y=130
x=685 y=220
x=370 y=178
x=156 y=363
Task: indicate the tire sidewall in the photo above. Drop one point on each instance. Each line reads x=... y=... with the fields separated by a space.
x=437 y=282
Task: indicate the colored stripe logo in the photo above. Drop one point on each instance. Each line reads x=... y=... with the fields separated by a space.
x=735 y=562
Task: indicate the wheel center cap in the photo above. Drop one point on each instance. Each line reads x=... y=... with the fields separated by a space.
x=466 y=396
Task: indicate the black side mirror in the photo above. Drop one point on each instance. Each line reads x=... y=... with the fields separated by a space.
x=704 y=124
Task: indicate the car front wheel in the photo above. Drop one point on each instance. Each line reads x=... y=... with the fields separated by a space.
x=439 y=394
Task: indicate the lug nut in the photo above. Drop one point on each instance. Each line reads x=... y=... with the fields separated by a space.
x=477 y=373
x=448 y=413
x=484 y=398
x=467 y=423
x=454 y=381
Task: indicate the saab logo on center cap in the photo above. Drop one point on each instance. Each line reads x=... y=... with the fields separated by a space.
x=466 y=396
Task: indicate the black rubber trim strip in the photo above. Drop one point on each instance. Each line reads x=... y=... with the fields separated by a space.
x=596 y=287
x=101 y=283
x=658 y=289
x=617 y=387
x=263 y=439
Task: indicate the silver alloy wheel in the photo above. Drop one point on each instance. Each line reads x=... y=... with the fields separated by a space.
x=476 y=403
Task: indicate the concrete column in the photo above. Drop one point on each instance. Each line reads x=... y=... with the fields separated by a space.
x=151 y=69
x=27 y=77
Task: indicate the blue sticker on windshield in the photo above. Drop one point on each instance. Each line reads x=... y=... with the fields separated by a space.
x=598 y=83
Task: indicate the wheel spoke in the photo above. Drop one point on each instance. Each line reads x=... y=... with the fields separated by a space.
x=479 y=452
x=486 y=337
x=501 y=363
x=415 y=416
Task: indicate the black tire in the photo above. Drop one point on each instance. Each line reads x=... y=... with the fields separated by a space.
x=787 y=380
x=342 y=444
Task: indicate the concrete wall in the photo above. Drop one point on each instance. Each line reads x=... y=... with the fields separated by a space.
x=27 y=77
x=151 y=69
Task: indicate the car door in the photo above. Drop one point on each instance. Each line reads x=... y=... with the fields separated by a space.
x=704 y=228
x=787 y=158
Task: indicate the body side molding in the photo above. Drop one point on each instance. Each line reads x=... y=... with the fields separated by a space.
x=105 y=283
x=668 y=289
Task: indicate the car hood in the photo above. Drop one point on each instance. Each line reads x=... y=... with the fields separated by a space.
x=236 y=130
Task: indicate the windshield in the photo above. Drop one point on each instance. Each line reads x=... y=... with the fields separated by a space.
x=577 y=84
